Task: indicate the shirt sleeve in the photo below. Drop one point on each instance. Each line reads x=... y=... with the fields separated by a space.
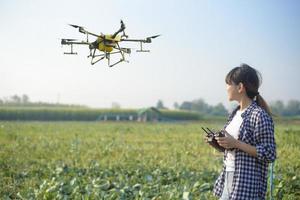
x=264 y=137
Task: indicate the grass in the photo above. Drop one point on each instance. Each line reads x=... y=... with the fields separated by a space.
x=124 y=160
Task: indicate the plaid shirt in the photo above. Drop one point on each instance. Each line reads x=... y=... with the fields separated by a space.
x=250 y=175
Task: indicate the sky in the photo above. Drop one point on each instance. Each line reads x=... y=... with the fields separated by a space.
x=200 y=42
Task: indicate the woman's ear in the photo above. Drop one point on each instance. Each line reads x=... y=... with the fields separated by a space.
x=241 y=87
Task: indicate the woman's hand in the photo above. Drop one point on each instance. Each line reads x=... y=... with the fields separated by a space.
x=206 y=139
x=228 y=141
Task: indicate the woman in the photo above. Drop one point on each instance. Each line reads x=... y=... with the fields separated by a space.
x=249 y=139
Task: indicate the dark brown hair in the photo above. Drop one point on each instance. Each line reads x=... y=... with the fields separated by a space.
x=251 y=80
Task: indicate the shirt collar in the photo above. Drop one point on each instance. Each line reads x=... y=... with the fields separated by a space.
x=249 y=109
x=246 y=112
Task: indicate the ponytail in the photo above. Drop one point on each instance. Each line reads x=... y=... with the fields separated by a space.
x=263 y=104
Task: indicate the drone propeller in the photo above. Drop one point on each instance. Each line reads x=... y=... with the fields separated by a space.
x=122 y=25
x=154 y=36
x=76 y=26
x=82 y=30
x=148 y=39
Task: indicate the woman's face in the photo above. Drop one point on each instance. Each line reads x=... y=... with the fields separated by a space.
x=233 y=92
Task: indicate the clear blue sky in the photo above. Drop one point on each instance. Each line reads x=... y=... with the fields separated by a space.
x=201 y=41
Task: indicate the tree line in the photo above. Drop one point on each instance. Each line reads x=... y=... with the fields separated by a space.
x=199 y=106
x=279 y=108
x=24 y=101
x=291 y=108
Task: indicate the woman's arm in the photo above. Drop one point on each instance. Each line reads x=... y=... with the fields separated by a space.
x=264 y=138
x=265 y=148
x=229 y=142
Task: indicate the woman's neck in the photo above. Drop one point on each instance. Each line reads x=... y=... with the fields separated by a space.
x=245 y=102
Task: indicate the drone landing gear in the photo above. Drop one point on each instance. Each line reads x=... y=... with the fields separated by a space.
x=121 y=59
x=141 y=48
x=121 y=51
x=97 y=58
x=71 y=52
x=94 y=56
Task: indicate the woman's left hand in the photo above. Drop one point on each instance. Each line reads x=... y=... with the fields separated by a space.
x=227 y=142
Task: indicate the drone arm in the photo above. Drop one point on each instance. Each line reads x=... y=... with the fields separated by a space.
x=116 y=33
x=82 y=30
x=134 y=40
x=65 y=42
x=93 y=34
x=71 y=42
x=147 y=40
x=83 y=43
x=121 y=29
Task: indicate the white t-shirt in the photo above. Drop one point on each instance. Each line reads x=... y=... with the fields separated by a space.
x=234 y=130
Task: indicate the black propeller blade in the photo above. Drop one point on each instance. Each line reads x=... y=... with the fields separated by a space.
x=81 y=28
x=122 y=25
x=75 y=26
x=148 y=39
x=154 y=36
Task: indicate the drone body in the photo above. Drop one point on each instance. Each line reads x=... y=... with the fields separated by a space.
x=106 y=44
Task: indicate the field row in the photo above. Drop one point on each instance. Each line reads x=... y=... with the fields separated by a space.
x=90 y=160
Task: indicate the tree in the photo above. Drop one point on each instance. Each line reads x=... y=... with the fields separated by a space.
x=160 y=105
x=201 y=106
x=25 y=99
x=277 y=107
x=186 y=105
x=293 y=108
x=16 y=99
x=219 y=110
x=176 y=105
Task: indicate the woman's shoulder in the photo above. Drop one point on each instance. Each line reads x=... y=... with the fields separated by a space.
x=258 y=113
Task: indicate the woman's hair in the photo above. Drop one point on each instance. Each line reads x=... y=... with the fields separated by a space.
x=251 y=80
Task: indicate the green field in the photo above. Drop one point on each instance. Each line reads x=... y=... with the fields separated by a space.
x=125 y=160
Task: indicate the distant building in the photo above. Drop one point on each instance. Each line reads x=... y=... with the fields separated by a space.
x=116 y=117
x=149 y=114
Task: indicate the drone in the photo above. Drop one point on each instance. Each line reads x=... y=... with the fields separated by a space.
x=106 y=45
